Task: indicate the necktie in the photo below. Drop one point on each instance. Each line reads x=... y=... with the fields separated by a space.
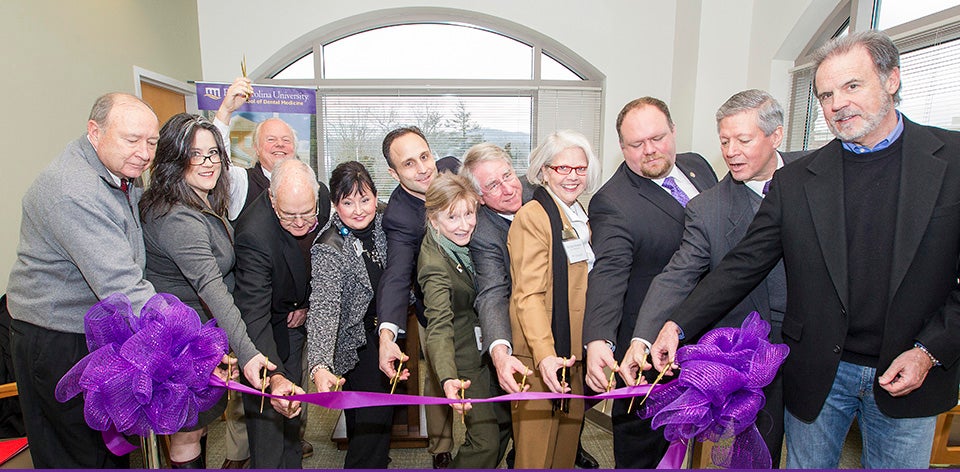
x=766 y=187
x=670 y=184
x=125 y=186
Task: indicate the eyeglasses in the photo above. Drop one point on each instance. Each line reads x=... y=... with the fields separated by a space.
x=565 y=170
x=197 y=158
x=305 y=217
x=496 y=187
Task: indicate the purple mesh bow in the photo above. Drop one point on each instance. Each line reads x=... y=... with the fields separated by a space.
x=145 y=373
x=718 y=393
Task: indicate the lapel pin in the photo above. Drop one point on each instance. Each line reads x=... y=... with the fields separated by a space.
x=693 y=175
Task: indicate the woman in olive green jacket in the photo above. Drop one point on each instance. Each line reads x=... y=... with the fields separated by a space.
x=446 y=275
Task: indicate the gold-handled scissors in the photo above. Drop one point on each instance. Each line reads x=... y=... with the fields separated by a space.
x=610 y=384
x=639 y=379
x=396 y=378
x=563 y=379
x=463 y=413
x=656 y=381
x=263 y=382
x=523 y=383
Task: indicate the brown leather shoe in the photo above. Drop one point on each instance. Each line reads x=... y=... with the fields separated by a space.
x=231 y=464
x=307 y=448
x=442 y=460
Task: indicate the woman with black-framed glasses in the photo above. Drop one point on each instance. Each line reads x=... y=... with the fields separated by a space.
x=189 y=246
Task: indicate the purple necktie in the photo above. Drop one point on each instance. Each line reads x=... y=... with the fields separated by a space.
x=670 y=184
x=766 y=187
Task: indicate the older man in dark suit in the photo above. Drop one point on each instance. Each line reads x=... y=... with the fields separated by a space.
x=273 y=239
x=867 y=227
x=637 y=224
x=750 y=125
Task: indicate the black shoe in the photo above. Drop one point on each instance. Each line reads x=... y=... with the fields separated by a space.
x=306 y=448
x=196 y=463
x=232 y=464
x=585 y=460
x=442 y=460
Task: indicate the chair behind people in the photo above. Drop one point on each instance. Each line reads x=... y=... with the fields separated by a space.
x=22 y=459
x=946 y=440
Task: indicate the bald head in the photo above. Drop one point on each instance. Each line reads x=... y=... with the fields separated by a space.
x=293 y=194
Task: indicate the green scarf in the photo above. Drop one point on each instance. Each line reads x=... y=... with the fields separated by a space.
x=460 y=254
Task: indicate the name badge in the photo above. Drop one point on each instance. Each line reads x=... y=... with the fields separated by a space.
x=575 y=251
x=479 y=335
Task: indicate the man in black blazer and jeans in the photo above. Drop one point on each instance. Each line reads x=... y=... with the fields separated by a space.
x=868 y=230
x=637 y=222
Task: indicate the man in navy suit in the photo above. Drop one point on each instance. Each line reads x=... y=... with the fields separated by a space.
x=750 y=126
x=637 y=222
x=404 y=222
x=867 y=228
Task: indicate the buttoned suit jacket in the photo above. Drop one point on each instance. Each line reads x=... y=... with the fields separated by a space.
x=636 y=228
x=272 y=277
x=802 y=219
x=488 y=249
x=715 y=221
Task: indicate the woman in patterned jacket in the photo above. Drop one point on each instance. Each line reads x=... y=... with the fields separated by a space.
x=342 y=343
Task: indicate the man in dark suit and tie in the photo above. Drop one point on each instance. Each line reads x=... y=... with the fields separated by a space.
x=867 y=227
x=273 y=239
x=750 y=126
x=404 y=222
x=637 y=222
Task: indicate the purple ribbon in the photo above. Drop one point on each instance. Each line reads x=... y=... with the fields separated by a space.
x=720 y=391
x=343 y=400
x=144 y=373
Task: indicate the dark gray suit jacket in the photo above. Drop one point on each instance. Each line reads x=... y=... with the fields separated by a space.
x=715 y=221
x=802 y=220
x=488 y=249
x=636 y=227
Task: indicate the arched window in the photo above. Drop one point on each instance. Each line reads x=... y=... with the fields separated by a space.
x=928 y=36
x=462 y=77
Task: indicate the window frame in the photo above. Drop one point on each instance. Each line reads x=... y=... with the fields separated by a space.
x=312 y=43
x=861 y=15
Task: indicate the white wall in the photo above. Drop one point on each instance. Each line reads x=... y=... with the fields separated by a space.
x=58 y=57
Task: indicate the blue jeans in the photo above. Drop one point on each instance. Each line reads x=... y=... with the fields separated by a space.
x=888 y=443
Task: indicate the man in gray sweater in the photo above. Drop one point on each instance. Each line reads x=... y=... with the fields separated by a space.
x=80 y=241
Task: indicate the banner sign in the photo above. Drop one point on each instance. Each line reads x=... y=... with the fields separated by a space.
x=266 y=98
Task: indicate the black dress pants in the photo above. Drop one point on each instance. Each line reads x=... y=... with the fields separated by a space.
x=275 y=439
x=59 y=436
x=368 y=429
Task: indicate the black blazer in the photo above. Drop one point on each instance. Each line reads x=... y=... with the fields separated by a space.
x=272 y=276
x=802 y=219
x=636 y=227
